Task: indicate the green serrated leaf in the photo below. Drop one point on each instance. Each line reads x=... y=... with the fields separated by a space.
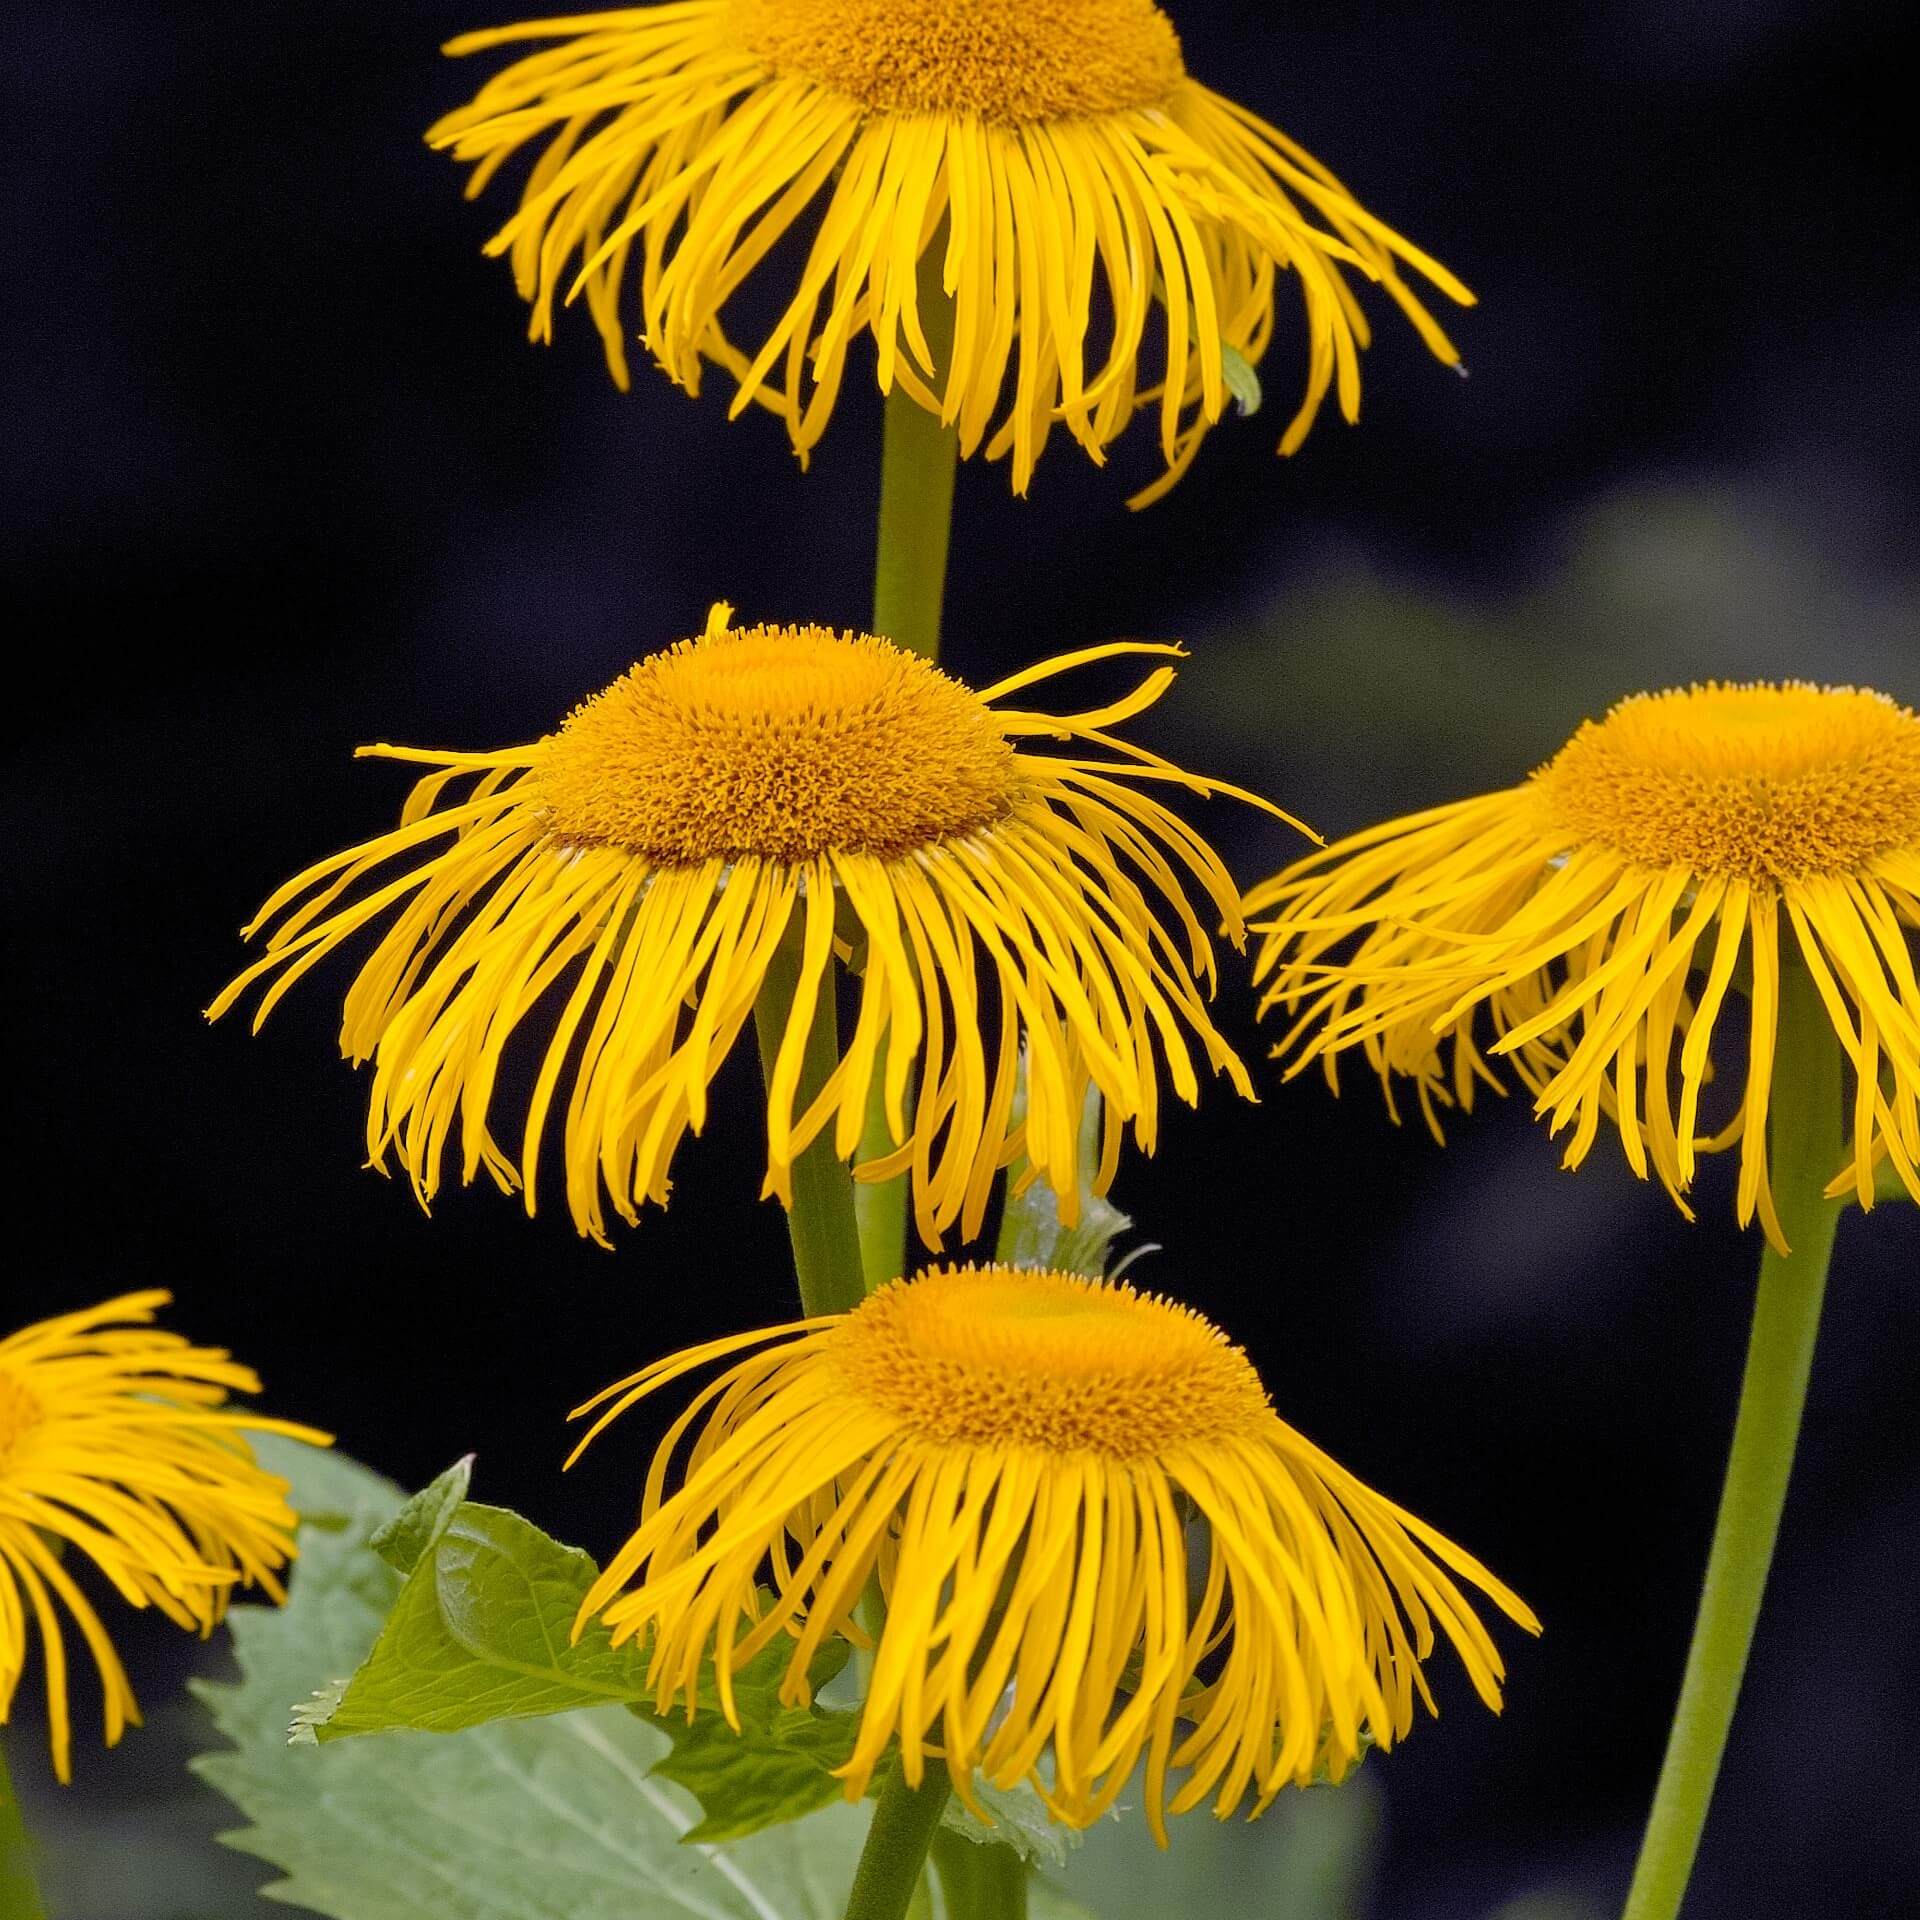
x=558 y=1818
x=407 y=1536
x=482 y=1631
x=771 y=1771
x=1242 y=381
x=1020 y=1822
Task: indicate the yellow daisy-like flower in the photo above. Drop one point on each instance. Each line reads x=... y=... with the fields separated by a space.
x=116 y=1448
x=1072 y=176
x=1594 y=919
x=727 y=799
x=1015 y=1454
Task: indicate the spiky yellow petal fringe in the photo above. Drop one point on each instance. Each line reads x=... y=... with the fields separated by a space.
x=1043 y=147
x=1598 y=917
x=116 y=1448
x=1012 y=1453
x=753 y=787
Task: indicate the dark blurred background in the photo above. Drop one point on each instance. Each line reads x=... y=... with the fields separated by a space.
x=284 y=475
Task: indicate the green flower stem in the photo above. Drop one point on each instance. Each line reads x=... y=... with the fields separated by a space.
x=979 y=1882
x=1807 y=1107
x=904 y=1821
x=19 y=1897
x=821 y=1223
x=917 y=461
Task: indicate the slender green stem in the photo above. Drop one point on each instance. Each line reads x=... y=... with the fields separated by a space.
x=19 y=1896
x=917 y=461
x=904 y=1819
x=979 y=1882
x=1786 y=1318
x=821 y=1223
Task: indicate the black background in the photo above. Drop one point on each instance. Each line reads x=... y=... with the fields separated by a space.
x=285 y=476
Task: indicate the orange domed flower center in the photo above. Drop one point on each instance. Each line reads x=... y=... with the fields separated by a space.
x=20 y=1413
x=1760 y=783
x=997 y=1357
x=1005 y=60
x=783 y=743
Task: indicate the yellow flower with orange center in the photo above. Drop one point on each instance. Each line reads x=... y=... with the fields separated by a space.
x=1590 y=925
x=1106 y=232
x=117 y=1451
x=739 y=807
x=1014 y=1455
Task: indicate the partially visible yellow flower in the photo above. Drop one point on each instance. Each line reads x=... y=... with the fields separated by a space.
x=1109 y=231
x=1591 y=922
x=116 y=1448
x=1014 y=1455
x=752 y=788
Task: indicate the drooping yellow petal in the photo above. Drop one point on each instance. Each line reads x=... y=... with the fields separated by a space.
x=1007 y=1452
x=116 y=1450
x=1076 y=181
x=1597 y=919
x=623 y=887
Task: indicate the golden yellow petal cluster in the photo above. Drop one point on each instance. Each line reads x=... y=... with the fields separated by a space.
x=755 y=800
x=1597 y=918
x=1100 y=231
x=117 y=1451
x=1014 y=1455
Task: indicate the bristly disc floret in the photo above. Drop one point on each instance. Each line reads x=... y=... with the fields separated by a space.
x=777 y=742
x=1006 y=60
x=991 y=1357
x=1756 y=782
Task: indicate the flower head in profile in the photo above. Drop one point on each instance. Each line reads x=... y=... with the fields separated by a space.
x=1591 y=924
x=1102 y=233
x=1015 y=1455
x=753 y=799
x=118 y=1452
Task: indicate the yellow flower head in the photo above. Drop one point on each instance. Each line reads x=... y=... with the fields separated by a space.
x=729 y=800
x=116 y=1448
x=1051 y=159
x=1016 y=1455
x=1593 y=920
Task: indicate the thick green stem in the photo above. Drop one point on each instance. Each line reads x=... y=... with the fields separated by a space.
x=979 y=1882
x=917 y=461
x=19 y=1896
x=1807 y=1107
x=904 y=1820
x=821 y=1223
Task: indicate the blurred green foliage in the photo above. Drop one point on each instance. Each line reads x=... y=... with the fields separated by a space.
x=1371 y=690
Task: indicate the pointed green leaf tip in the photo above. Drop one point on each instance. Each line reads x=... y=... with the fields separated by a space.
x=410 y=1534
x=481 y=1630
x=1242 y=381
